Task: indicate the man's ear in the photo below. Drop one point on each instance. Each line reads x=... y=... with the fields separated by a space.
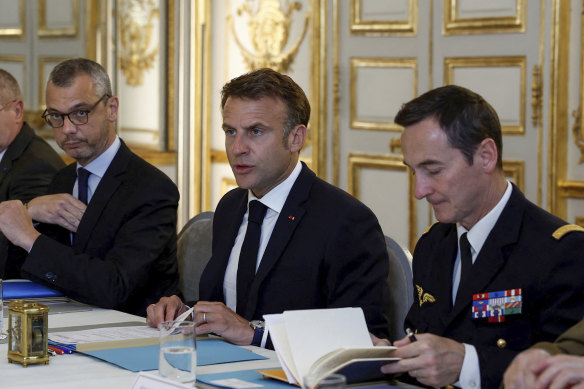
x=296 y=138
x=19 y=109
x=113 y=106
x=487 y=155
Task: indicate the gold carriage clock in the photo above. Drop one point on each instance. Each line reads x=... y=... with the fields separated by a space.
x=27 y=332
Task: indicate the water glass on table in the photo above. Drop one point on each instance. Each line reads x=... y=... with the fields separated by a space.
x=178 y=352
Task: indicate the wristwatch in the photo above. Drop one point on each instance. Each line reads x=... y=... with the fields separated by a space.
x=258 y=331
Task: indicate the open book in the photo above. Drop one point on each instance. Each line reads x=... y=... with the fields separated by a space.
x=312 y=344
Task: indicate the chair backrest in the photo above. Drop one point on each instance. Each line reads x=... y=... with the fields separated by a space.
x=193 y=252
x=401 y=287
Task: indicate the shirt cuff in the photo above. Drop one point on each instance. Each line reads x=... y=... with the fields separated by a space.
x=470 y=374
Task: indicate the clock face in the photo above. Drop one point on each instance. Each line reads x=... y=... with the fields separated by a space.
x=38 y=335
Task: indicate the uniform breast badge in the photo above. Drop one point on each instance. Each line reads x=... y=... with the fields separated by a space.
x=494 y=306
x=424 y=297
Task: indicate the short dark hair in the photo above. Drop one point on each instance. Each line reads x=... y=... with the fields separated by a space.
x=65 y=73
x=269 y=83
x=463 y=115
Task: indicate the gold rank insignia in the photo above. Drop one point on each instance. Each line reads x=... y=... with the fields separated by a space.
x=424 y=297
x=563 y=230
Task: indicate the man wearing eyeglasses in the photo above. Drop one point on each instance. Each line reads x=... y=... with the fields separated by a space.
x=27 y=163
x=108 y=225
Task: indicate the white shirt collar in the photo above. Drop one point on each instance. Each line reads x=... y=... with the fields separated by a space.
x=2 y=153
x=478 y=234
x=276 y=197
x=100 y=164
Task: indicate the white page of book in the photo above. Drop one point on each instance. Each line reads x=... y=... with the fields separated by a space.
x=277 y=330
x=313 y=333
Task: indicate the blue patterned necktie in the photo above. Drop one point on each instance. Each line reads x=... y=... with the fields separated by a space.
x=82 y=179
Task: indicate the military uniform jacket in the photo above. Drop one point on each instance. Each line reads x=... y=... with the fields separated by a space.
x=570 y=342
x=520 y=252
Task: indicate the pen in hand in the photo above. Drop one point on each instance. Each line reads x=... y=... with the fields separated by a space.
x=411 y=335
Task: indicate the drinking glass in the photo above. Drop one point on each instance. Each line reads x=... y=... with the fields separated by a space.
x=178 y=352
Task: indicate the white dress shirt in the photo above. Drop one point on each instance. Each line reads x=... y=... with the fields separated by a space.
x=97 y=168
x=470 y=374
x=274 y=200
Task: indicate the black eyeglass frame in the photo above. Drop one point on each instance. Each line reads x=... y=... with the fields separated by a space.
x=76 y=122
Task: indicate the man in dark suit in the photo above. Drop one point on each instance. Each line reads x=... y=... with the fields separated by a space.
x=558 y=364
x=27 y=163
x=514 y=279
x=119 y=250
x=319 y=246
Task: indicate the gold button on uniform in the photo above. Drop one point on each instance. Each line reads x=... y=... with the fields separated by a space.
x=501 y=343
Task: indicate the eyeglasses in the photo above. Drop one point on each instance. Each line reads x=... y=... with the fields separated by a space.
x=79 y=117
x=7 y=105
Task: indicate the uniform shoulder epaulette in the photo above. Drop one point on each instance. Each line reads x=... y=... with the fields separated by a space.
x=563 y=230
x=429 y=228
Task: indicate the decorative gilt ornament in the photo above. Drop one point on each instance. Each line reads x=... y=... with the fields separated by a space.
x=269 y=29
x=136 y=25
x=577 y=132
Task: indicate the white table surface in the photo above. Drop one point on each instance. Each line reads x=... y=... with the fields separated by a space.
x=80 y=371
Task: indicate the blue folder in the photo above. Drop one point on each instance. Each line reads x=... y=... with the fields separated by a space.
x=144 y=358
x=26 y=290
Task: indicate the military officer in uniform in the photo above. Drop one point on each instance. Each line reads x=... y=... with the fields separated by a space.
x=496 y=274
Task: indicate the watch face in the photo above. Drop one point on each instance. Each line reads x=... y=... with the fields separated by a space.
x=257 y=324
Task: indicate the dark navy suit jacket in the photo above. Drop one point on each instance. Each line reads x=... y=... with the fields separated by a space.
x=327 y=250
x=26 y=170
x=124 y=251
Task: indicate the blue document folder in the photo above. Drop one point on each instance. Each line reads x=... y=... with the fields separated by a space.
x=144 y=358
x=27 y=290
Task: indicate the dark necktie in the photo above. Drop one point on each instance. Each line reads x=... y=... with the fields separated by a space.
x=249 y=253
x=465 y=260
x=82 y=178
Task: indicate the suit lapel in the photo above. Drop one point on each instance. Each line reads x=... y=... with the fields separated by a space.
x=494 y=253
x=106 y=188
x=290 y=217
x=15 y=149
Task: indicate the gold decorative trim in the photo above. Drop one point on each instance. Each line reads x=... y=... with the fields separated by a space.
x=407 y=27
x=227 y=184
x=571 y=189
x=336 y=93
x=386 y=162
x=563 y=230
x=137 y=52
x=514 y=61
x=536 y=96
x=219 y=156
x=579 y=220
x=65 y=32
x=515 y=170
x=559 y=102
x=269 y=29
x=18 y=32
x=42 y=77
x=153 y=156
x=453 y=24
x=170 y=76
x=541 y=58
x=356 y=63
x=577 y=132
